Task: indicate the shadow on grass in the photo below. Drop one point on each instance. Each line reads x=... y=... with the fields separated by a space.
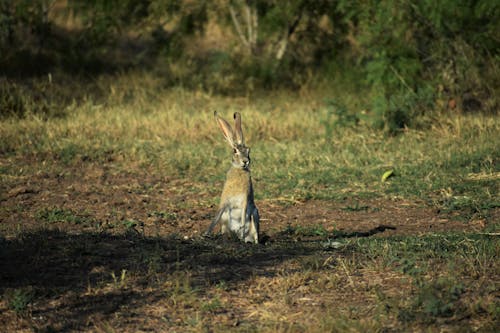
x=57 y=259
x=315 y=235
x=75 y=277
x=371 y=232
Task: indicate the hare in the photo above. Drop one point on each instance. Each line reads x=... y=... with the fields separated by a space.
x=237 y=211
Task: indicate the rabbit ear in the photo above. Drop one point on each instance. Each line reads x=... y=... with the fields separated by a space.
x=237 y=127
x=226 y=129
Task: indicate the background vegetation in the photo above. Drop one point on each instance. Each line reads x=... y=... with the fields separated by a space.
x=374 y=131
x=402 y=59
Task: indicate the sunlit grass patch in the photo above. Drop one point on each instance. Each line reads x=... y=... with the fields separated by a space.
x=104 y=204
x=299 y=149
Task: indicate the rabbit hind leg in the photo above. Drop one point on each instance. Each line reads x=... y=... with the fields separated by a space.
x=215 y=221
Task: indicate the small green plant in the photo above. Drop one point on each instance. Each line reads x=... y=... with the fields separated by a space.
x=68 y=153
x=222 y=285
x=409 y=266
x=434 y=300
x=212 y=305
x=162 y=215
x=440 y=298
x=53 y=215
x=306 y=231
x=19 y=300
x=130 y=224
x=337 y=115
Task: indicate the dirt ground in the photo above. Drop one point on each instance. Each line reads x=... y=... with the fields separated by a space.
x=163 y=206
x=149 y=225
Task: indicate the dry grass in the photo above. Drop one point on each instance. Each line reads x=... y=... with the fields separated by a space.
x=101 y=212
x=174 y=132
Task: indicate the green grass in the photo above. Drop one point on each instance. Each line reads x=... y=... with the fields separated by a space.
x=465 y=262
x=299 y=151
x=62 y=216
x=308 y=278
x=19 y=300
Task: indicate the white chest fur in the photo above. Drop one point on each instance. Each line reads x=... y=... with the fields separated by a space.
x=234 y=216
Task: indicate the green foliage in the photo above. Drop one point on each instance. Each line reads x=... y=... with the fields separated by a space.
x=306 y=231
x=439 y=298
x=406 y=58
x=21 y=20
x=337 y=116
x=19 y=300
x=55 y=215
x=435 y=299
x=68 y=153
x=413 y=255
x=38 y=96
x=103 y=19
x=435 y=295
x=401 y=109
x=130 y=225
x=214 y=305
x=164 y=216
x=409 y=50
x=14 y=100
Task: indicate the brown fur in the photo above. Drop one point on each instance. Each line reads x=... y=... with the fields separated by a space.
x=237 y=209
x=237 y=181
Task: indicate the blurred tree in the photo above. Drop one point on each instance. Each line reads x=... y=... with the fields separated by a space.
x=268 y=28
x=413 y=55
x=263 y=27
x=21 y=21
x=413 y=52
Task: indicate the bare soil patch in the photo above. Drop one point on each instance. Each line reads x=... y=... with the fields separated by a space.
x=163 y=205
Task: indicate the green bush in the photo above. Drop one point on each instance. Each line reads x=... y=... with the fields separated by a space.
x=407 y=59
x=418 y=53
